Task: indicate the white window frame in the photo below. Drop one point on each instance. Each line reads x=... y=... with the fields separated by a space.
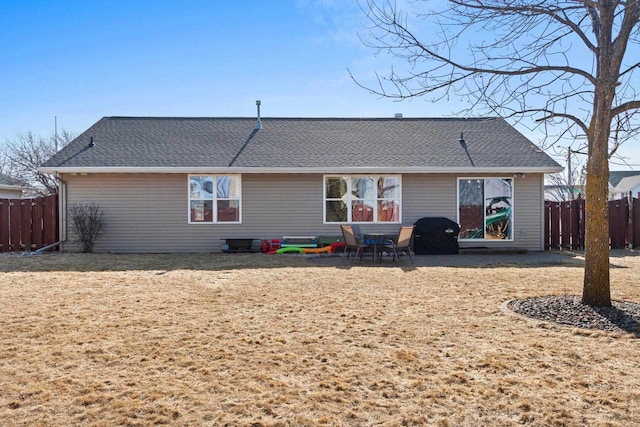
x=349 y=198
x=484 y=215
x=215 y=199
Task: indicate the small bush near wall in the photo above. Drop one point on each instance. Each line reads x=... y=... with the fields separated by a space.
x=86 y=223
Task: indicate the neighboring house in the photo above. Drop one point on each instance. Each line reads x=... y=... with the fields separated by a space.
x=184 y=184
x=630 y=184
x=623 y=182
x=10 y=188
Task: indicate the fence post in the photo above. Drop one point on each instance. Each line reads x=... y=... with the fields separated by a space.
x=583 y=220
x=547 y=218
x=630 y=221
x=636 y=221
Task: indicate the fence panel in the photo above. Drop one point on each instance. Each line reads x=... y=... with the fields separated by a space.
x=14 y=225
x=565 y=223
x=36 y=222
x=555 y=226
x=28 y=224
x=577 y=223
x=618 y=220
x=4 y=225
x=25 y=224
x=50 y=220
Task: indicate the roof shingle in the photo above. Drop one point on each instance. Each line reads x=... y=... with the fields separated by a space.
x=301 y=143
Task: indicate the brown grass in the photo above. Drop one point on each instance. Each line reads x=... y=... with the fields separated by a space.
x=275 y=340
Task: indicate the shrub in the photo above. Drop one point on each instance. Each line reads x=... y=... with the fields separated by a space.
x=86 y=223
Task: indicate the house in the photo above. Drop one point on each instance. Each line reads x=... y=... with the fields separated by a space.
x=10 y=188
x=185 y=184
x=623 y=182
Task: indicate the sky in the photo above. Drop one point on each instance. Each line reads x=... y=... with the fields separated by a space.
x=69 y=63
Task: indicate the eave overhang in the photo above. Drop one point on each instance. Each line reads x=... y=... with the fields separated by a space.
x=300 y=170
x=11 y=187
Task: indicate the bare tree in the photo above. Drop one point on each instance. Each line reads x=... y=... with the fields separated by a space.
x=87 y=224
x=22 y=156
x=566 y=186
x=567 y=64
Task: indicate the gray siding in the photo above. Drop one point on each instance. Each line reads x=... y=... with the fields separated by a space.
x=436 y=195
x=6 y=193
x=149 y=212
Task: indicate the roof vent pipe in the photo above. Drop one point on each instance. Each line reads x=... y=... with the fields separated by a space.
x=259 y=122
x=91 y=143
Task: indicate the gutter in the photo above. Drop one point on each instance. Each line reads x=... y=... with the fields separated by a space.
x=300 y=170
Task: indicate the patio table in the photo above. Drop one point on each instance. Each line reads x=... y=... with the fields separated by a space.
x=376 y=240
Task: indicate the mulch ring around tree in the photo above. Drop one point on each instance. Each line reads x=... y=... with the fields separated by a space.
x=622 y=316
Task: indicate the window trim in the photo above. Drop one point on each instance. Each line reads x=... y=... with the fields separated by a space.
x=484 y=230
x=215 y=200
x=349 y=178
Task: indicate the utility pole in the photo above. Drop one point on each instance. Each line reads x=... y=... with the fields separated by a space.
x=55 y=132
x=569 y=174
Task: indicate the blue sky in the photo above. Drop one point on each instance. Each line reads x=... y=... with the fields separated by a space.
x=82 y=60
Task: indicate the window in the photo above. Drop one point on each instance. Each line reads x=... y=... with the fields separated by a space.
x=362 y=198
x=214 y=198
x=485 y=208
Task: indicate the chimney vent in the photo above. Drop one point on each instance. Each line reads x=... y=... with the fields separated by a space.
x=398 y=115
x=259 y=122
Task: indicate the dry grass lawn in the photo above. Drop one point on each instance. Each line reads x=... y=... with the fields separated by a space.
x=265 y=340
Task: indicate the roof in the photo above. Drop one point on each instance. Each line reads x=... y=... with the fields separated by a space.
x=627 y=184
x=616 y=176
x=157 y=144
x=7 y=182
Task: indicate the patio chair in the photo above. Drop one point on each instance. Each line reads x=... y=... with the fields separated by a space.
x=357 y=232
x=352 y=242
x=401 y=244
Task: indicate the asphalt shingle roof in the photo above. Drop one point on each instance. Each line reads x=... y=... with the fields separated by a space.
x=301 y=143
x=8 y=181
x=616 y=176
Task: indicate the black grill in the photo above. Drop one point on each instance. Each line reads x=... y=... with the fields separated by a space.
x=435 y=236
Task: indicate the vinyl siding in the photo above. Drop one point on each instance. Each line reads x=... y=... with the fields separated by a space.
x=431 y=195
x=149 y=212
x=6 y=193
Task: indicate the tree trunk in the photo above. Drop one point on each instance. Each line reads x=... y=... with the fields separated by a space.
x=596 y=286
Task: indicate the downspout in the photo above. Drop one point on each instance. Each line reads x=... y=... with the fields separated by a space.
x=62 y=209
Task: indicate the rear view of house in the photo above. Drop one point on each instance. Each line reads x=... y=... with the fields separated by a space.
x=184 y=184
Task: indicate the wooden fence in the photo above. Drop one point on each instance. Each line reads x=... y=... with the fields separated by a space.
x=28 y=224
x=564 y=224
